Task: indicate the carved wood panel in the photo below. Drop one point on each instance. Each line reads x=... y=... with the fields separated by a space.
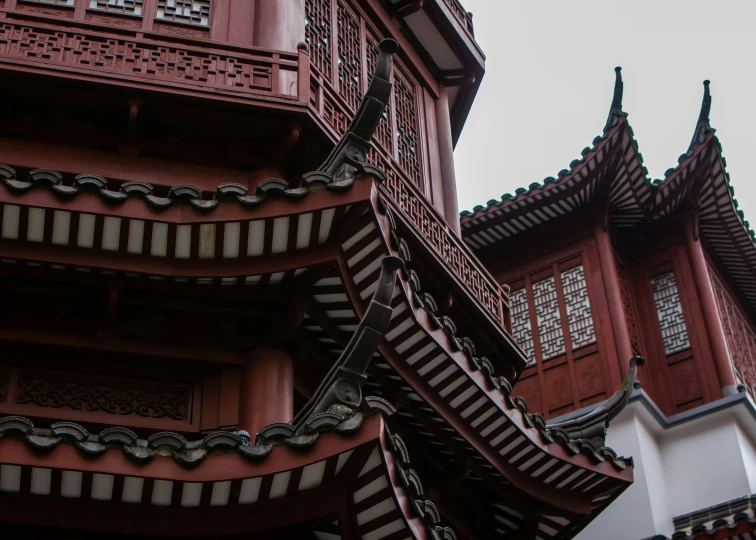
x=93 y=398
x=121 y=7
x=552 y=320
x=142 y=59
x=192 y=12
x=669 y=309
x=739 y=335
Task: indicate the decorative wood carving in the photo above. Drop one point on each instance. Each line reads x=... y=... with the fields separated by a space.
x=521 y=329
x=204 y=68
x=194 y=12
x=546 y=309
x=123 y=7
x=180 y=30
x=627 y=305
x=318 y=34
x=91 y=396
x=113 y=21
x=739 y=335
x=582 y=331
x=41 y=10
x=669 y=308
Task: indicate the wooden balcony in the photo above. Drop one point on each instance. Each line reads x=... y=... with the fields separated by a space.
x=64 y=38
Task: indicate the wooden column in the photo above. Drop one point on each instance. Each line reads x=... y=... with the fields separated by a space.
x=240 y=20
x=280 y=24
x=610 y=278
x=712 y=321
x=446 y=154
x=267 y=390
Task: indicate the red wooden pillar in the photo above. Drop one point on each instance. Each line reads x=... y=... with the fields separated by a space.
x=446 y=154
x=623 y=345
x=712 y=321
x=280 y=24
x=267 y=390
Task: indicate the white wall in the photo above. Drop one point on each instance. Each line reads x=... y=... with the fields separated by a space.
x=696 y=464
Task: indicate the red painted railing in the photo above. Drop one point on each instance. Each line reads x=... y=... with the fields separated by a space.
x=416 y=210
x=92 y=49
x=461 y=14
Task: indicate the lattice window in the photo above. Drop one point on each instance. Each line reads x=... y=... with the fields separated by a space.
x=55 y=2
x=548 y=318
x=549 y=307
x=383 y=134
x=126 y=7
x=669 y=308
x=194 y=12
x=350 y=56
x=318 y=34
x=405 y=102
x=580 y=321
x=521 y=330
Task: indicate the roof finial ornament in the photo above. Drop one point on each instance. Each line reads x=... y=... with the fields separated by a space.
x=702 y=126
x=616 y=109
x=352 y=148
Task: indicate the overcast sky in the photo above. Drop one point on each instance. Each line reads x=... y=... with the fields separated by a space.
x=550 y=75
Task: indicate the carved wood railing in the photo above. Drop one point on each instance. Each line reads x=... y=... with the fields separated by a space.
x=42 y=41
x=461 y=14
x=413 y=207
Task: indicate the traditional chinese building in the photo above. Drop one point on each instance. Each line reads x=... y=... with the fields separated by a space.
x=610 y=264
x=235 y=298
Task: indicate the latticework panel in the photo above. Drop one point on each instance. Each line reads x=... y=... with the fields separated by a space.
x=521 y=329
x=318 y=34
x=627 y=306
x=405 y=103
x=125 y=7
x=739 y=336
x=383 y=134
x=548 y=319
x=670 y=312
x=350 y=56
x=194 y=12
x=579 y=319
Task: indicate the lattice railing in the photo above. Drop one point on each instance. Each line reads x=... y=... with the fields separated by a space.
x=461 y=14
x=129 y=57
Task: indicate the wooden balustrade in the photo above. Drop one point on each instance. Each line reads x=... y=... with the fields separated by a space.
x=147 y=59
x=461 y=14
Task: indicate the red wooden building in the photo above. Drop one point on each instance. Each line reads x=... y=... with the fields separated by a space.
x=226 y=312
x=609 y=265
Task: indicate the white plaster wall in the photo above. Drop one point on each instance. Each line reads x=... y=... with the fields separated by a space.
x=748 y=450
x=703 y=464
x=631 y=516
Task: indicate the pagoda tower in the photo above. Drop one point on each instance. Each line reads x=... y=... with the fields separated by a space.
x=235 y=296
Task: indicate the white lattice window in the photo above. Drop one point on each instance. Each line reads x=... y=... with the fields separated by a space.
x=669 y=309
x=575 y=289
x=548 y=318
x=521 y=330
x=549 y=309
x=125 y=7
x=194 y=12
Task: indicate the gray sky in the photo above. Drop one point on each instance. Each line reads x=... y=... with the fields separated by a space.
x=550 y=75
